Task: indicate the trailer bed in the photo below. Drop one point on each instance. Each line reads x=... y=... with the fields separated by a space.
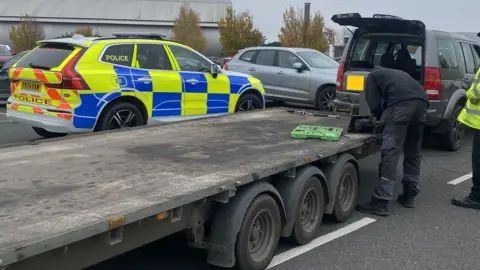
x=58 y=192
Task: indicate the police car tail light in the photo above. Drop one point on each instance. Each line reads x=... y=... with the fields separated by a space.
x=340 y=71
x=71 y=78
x=432 y=83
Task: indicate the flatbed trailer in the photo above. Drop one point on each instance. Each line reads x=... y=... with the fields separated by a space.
x=234 y=184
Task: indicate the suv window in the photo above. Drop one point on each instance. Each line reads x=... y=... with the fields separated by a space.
x=469 y=58
x=287 y=59
x=120 y=54
x=152 y=56
x=265 y=58
x=360 y=47
x=446 y=51
x=48 y=56
x=476 y=54
x=247 y=56
x=189 y=60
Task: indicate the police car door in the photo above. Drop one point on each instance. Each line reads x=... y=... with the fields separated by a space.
x=202 y=94
x=157 y=84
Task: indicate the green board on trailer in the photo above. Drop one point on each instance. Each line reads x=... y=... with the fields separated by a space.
x=317 y=132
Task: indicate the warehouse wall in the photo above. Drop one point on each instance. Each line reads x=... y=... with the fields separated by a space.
x=53 y=30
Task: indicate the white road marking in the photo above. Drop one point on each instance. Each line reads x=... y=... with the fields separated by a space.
x=294 y=252
x=460 y=179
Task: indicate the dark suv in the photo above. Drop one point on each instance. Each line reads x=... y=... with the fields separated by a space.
x=444 y=63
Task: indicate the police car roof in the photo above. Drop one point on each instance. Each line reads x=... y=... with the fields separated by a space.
x=77 y=40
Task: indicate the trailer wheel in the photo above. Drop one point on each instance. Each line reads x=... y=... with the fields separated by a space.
x=309 y=212
x=259 y=234
x=347 y=193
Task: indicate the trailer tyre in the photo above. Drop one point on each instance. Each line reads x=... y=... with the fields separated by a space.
x=259 y=234
x=309 y=212
x=347 y=193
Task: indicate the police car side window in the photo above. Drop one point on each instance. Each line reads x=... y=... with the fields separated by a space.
x=152 y=56
x=189 y=60
x=120 y=54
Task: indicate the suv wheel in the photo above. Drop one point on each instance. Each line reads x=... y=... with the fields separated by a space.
x=452 y=139
x=325 y=97
x=121 y=115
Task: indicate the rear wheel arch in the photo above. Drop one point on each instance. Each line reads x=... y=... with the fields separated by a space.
x=126 y=99
x=458 y=98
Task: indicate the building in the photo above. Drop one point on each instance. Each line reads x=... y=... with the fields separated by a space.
x=109 y=16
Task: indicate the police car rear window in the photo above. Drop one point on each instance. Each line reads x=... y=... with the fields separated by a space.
x=48 y=56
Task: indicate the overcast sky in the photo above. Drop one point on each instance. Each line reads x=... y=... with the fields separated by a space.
x=447 y=15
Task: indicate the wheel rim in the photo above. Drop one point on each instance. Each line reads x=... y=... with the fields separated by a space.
x=261 y=235
x=122 y=119
x=309 y=212
x=346 y=194
x=327 y=99
x=249 y=105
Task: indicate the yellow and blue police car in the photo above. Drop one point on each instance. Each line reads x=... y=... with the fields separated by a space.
x=83 y=84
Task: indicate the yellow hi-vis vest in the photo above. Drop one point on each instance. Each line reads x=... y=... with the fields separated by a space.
x=470 y=115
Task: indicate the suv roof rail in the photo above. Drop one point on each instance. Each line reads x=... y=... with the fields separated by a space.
x=140 y=35
x=386 y=16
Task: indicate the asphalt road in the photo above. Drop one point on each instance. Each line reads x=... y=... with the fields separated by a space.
x=435 y=235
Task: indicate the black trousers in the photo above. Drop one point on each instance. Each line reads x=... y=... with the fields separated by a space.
x=475 y=192
x=403 y=124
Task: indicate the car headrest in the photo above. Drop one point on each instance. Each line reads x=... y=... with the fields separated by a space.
x=387 y=61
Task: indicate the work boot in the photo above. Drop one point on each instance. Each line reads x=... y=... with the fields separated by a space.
x=376 y=207
x=407 y=199
x=466 y=202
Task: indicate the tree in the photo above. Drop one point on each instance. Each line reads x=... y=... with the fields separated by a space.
x=293 y=30
x=85 y=31
x=187 y=31
x=24 y=36
x=237 y=32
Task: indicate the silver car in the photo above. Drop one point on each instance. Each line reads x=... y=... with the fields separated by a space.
x=297 y=75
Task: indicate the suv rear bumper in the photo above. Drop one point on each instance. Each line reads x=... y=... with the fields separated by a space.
x=435 y=113
x=52 y=123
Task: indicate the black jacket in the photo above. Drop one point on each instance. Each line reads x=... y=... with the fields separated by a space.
x=385 y=87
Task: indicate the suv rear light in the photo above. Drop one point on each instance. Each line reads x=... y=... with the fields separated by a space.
x=340 y=71
x=433 y=83
x=71 y=79
x=225 y=66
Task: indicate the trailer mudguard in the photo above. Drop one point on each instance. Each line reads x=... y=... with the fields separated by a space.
x=290 y=190
x=332 y=174
x=228 y=218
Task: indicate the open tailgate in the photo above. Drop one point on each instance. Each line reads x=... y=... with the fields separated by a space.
x=379 y=22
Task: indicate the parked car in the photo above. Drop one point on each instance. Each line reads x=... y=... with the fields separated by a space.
x=444 y=63
x=80 y=84
x=297 y=75
x=5 y=54
x=4 y=80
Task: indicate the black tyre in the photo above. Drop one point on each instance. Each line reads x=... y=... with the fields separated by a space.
x=259 y=234
x=120 y=115
x=309 y=212
x=47 y=134
x=248 y=102
x=452 y=139
x=325 y=97
x=347 y=194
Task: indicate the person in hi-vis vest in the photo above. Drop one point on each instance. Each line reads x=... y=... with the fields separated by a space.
x=470 y=116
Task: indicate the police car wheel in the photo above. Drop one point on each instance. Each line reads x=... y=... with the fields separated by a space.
x=248 y=102
x=121 y=115
x=47 y=134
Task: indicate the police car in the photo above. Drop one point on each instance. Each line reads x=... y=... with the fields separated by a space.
x=80 y=84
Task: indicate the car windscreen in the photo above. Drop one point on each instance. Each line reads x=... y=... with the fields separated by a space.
x=318 y=60
x=48 y=56
x=4 y=52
